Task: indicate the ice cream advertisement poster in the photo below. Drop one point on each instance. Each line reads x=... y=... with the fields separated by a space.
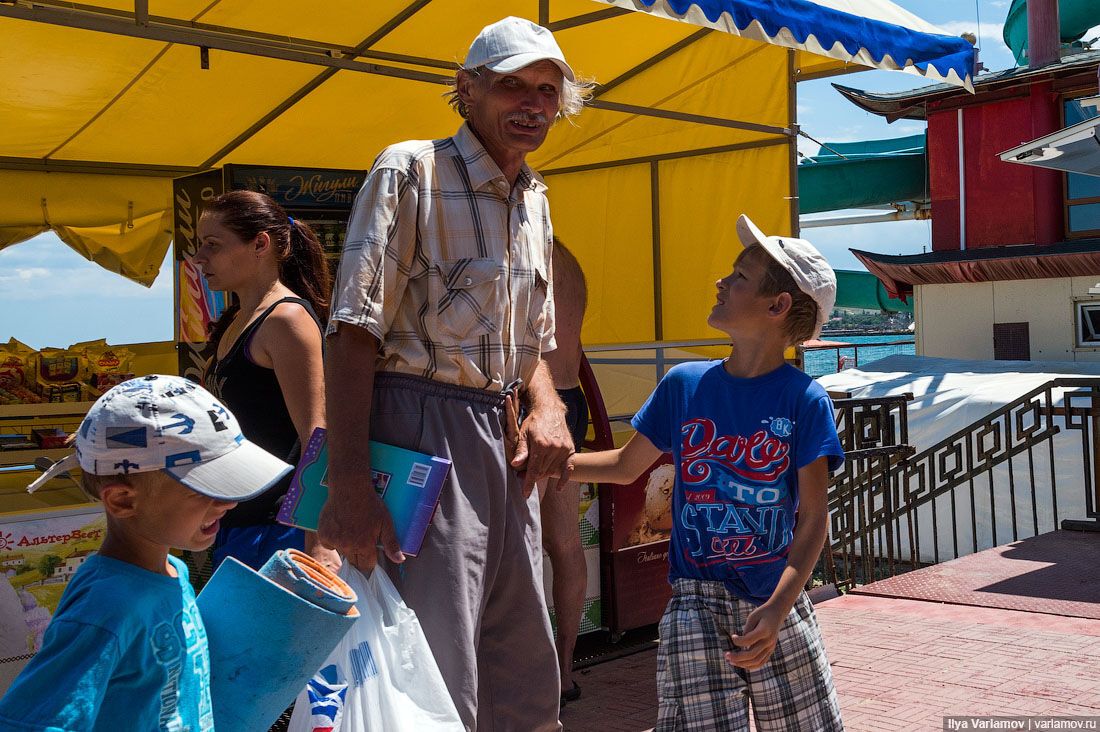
x=39 y=554
x=643 y=510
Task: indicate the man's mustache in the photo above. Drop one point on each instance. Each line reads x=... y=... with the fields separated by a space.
x=528 y=119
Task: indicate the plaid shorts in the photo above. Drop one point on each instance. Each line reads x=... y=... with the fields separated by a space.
x=697 y=689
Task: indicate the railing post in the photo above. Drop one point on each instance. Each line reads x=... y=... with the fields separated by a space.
x=1090 y=457
x=865 y=497
x=1093 y=507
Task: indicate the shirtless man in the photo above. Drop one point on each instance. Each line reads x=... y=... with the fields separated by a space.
x=560 y=504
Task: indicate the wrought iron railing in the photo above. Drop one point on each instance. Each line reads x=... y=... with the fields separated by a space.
x=875 y=436
x=1014 y=473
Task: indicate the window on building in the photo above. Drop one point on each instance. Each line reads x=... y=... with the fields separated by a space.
x=1082 y=191
x=1087 y=324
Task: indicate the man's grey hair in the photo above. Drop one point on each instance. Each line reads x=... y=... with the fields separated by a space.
x=574 y=94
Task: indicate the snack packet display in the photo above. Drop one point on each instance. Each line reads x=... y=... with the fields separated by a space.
x=82 y=346
x=57 y=393
x=61 y=372
x=17 y=361
x=79 y=373
x=108 y=366
x=18 y=395
x=17 y=368
x=60 y=366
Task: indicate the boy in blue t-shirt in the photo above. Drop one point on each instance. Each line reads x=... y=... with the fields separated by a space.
x=753 y=440
x=126 y=649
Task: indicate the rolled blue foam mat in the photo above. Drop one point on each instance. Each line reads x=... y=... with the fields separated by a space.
x=269 y=632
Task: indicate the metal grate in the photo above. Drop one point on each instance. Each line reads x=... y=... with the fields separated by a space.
x=1011 y=342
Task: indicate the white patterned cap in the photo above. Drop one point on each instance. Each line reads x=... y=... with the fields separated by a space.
x=169 y=423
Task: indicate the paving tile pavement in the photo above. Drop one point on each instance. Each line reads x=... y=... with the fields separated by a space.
x=900 y=664
x=616 y=696
x=960 y=661
x=1050 y=573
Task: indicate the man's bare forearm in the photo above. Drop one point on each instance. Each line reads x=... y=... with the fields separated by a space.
x=350 y=362
x=540 y=393
x=354 y=520
x=544 y=444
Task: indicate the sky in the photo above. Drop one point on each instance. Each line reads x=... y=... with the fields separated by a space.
x=50 y=296
x=828 y=117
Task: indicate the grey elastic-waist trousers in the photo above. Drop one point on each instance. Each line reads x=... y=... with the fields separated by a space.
x=476 y=584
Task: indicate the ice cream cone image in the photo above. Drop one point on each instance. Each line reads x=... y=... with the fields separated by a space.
x=658 y=498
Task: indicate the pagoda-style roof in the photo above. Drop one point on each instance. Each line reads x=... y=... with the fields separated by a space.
x=913 y=103
x=900 y=273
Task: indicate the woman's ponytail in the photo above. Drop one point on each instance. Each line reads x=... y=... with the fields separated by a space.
x=305 y=269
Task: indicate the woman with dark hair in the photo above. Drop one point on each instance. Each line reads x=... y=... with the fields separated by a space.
x=265 y=351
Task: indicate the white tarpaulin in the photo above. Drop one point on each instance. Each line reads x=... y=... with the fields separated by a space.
x=950 y=395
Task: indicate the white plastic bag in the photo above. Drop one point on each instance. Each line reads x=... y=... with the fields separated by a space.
x=382 y=677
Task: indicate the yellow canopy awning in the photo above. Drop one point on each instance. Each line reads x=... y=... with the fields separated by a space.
x=123 y=223
x=102 y=103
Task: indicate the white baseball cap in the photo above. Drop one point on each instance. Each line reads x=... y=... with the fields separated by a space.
x=169 y=423
x=513 y=43
x=810 y=271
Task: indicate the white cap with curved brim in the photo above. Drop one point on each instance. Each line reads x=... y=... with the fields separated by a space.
x=169 y=423
x=810 y=271
x=515 y=43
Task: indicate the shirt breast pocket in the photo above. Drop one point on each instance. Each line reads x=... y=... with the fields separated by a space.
x=467 y=297
x=540 y=287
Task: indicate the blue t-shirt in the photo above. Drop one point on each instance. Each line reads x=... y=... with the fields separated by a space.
x=126 y=650
x=737 y=445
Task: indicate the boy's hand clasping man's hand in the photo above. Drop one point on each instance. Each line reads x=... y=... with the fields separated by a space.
x=757 y=641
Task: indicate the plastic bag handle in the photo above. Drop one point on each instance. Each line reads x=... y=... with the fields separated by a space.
x=382 y=596
x=387 y=596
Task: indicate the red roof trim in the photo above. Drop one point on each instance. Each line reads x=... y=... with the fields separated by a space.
x=899 y=274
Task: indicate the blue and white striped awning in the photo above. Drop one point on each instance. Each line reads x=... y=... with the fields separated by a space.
x=875 y=33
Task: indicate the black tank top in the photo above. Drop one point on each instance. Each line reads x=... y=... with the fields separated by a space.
x=252 y=393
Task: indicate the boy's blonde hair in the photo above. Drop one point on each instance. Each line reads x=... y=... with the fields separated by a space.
x=801 y=322
x=93 y=484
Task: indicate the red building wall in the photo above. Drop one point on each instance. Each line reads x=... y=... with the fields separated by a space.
x=943 y=179
x=1006 y=203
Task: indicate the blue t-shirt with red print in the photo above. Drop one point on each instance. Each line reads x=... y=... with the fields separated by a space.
x=737 y=445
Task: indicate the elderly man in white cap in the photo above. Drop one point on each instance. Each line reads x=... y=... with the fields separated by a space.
x=443 y=306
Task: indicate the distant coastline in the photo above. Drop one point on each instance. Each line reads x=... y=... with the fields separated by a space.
x=833 y=334
x=861 y=348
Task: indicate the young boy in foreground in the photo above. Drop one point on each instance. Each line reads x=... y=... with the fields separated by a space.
x=753 y=440
x=126 y=649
